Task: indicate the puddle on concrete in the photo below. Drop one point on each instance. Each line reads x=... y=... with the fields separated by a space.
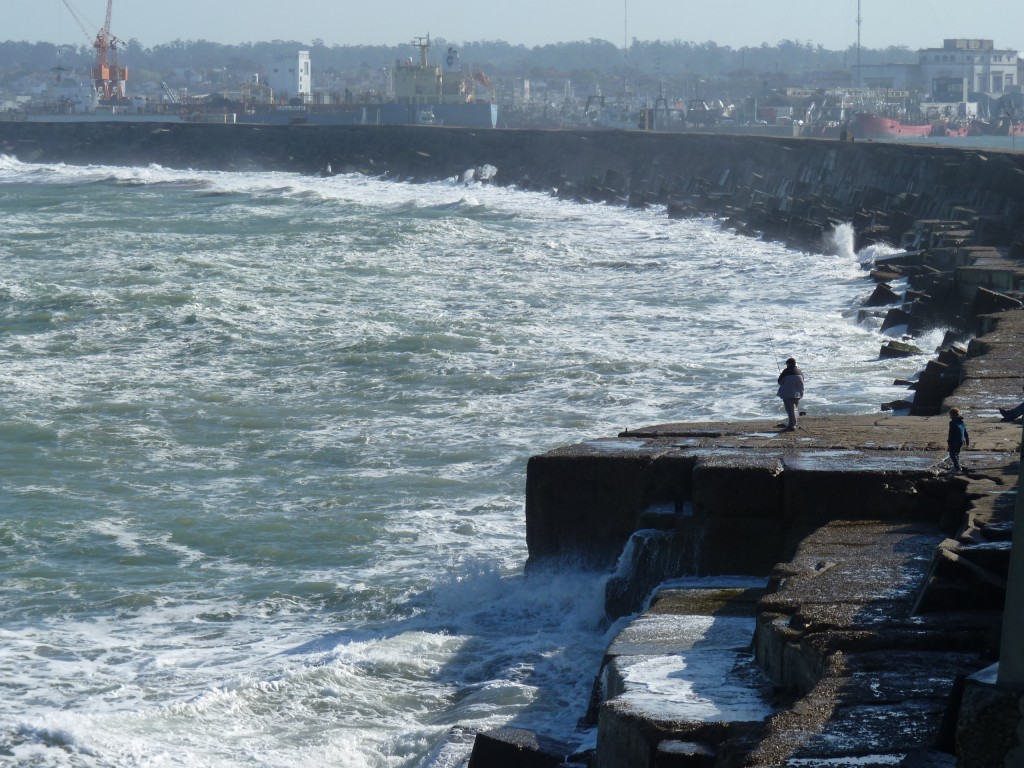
x=722 y=451
x=712 y=582
x=829 y=454
x=847 y=761
x=690 y=442
x=704 y=686
x=670 y=634
x=616 y=445
x=854 y=461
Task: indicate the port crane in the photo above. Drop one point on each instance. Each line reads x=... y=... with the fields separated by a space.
x=108 y=77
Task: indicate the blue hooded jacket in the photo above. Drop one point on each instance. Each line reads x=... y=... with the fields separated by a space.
x=958 y=432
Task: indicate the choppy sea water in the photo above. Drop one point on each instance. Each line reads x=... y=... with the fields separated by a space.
x=263 y=441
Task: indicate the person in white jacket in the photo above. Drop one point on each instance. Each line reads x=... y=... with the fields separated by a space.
x=791 y=389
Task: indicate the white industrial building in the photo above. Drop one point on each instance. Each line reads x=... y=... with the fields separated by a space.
x=960 y=67
x=965 y=66
x=291 y=77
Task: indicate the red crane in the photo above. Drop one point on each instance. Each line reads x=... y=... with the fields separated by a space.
x=108 y=78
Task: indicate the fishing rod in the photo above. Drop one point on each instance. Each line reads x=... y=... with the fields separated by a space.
x=771 y=341
x=775 y=352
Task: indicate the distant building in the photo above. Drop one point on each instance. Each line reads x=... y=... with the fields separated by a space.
x=291 y=77
x=960 y=67
x=964 y=66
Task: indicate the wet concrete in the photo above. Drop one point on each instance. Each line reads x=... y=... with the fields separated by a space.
x=682 y=672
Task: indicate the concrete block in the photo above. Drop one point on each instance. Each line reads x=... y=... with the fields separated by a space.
x=517 y=748
x=990 y=728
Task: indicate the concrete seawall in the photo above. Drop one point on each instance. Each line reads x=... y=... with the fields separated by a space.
x=789 y=189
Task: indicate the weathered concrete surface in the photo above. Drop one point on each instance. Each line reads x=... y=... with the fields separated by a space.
x=870 y=676
x=583 y=502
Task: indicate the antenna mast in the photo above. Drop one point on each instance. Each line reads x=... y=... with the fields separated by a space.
x=858 y=43
x=625 y=49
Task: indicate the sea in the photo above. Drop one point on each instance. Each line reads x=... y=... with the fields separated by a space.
x=263 y=447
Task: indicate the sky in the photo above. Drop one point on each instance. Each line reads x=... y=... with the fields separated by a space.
x=735 y=23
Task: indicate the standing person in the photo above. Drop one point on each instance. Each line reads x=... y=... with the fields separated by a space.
x=957 y=438
x=791 y=389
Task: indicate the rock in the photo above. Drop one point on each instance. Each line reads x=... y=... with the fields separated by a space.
x=865 y=314
x=898 y=405
x=885 y=275
x=936 y=382
x=954 y=579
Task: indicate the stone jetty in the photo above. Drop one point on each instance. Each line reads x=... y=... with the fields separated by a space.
x=792 y=190
x=879 y=576
x=826 y=597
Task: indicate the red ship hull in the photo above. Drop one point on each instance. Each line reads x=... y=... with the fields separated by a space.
x=870 y=126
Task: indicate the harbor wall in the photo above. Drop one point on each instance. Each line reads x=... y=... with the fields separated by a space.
x=793 y=190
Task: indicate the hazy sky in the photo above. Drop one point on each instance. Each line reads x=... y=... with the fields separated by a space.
x=736 y=23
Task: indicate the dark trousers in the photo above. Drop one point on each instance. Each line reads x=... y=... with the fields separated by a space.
x=954 y=454
x=1013 y=414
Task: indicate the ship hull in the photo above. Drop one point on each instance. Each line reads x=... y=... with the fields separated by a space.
x=866 y=125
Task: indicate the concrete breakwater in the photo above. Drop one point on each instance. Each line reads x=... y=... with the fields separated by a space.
x=885 y=577
x=787 y=189
x=882 y=583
